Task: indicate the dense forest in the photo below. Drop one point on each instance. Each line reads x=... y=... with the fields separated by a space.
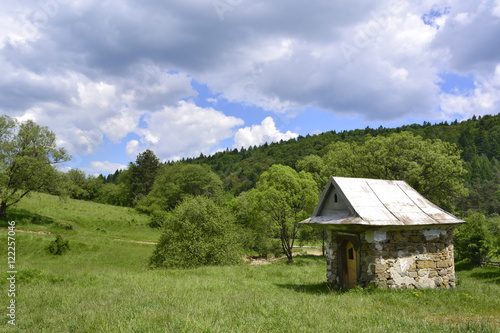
x=478 y=139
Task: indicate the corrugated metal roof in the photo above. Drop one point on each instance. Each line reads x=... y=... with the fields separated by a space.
x=376 y=202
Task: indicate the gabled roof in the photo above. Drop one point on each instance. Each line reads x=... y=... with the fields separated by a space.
x=375 y=202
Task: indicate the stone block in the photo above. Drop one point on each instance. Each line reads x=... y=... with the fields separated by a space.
x=415 y=239
x=443 y=264
x=431 y=248
x=379 y=268
x=422 y=264
x=412 y=274
x=382 y=284
x=443 y=272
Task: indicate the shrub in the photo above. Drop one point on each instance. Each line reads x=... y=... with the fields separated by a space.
x=157 y=219
x=198 y=232
x=59 y=246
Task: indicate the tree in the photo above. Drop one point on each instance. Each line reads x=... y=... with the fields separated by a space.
x=118 y=194
x=256 y=228
x=175 y=182
x=316 y=167
x=197 y=232
x=28 y=155
x=433 y=168
x=286 y=197
x=143 y=173
x=471 y=240
x=82 y=187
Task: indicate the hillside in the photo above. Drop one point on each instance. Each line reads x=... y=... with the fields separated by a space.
x=240 y=169
x=102 y=284
x=81 y=219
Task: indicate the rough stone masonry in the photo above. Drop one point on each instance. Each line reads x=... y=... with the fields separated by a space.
x=410 y=258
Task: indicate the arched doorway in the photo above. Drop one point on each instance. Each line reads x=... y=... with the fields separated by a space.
x=349 y=265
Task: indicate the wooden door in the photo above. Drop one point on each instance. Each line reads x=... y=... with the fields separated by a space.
x=352 y=273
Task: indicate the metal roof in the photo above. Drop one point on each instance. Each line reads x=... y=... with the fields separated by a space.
x=376 y=202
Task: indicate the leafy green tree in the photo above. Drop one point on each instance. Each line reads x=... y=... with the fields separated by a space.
x=119 y=194
x=82 y=187
x=28 y=155
x=471 y=240
x=433 y=168
x=176 y=182
x=258 y=231
x=317 y=168
x=286 y=197
x=143 y=174
x=198 y=232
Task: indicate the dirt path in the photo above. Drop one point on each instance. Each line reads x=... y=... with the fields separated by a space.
x=51 y=233
x=134 y=241
x=31 y=231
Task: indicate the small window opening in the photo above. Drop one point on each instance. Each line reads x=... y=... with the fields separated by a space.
x=351 y=254
x=335 y=198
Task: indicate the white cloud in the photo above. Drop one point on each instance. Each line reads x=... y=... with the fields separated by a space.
x=92 y=70
x=186 y=130
x=496 y=9
x=132 y=148
x=400 y=74
x=257 y=135
x=484 y=99
x=106 y=167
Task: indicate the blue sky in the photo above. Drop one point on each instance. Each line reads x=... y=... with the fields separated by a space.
x=113 y=78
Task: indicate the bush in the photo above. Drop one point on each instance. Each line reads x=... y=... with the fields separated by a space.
x=198 y=232
x=157 y=219
x=58 y=246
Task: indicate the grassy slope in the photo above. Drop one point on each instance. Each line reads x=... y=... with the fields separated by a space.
x=102 y=285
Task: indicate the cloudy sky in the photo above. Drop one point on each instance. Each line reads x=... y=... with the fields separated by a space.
x=184 y=77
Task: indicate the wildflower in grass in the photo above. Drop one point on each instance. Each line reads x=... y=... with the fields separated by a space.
x=467 y=296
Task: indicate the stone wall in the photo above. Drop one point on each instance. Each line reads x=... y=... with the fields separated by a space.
x=419 y=258
x=332 y=259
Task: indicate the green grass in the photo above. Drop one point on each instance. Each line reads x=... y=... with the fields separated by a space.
x=43 y=212
x=103 y=285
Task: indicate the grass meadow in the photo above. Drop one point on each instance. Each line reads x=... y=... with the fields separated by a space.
x=103 y=285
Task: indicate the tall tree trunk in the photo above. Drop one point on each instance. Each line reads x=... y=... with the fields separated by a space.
x=3 y=209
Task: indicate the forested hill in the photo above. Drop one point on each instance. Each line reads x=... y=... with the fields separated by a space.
x=478 y=138
x=239 y=169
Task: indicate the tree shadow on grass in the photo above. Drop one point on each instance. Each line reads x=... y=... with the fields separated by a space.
x=308 y=259
x=489 y=274
x=23 y=216
x=313 y=288
x=325 y=288
x=464 y=265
